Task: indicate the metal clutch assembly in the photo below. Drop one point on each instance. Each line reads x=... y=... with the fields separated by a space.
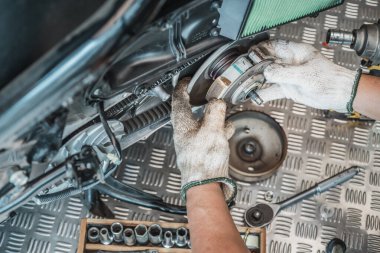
x=232 y=73
x=257 y=148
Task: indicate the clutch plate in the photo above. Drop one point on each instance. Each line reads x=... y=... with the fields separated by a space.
x=257 y=148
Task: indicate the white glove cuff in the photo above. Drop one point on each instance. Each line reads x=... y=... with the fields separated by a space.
x=229 y=187
x=350 y=108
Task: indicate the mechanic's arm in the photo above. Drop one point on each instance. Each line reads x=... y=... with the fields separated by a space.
x=211 y=226
x=202 y=157
x=367 y=100
x=303 y=74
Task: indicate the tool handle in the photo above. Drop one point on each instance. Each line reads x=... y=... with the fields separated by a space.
x=322 y=186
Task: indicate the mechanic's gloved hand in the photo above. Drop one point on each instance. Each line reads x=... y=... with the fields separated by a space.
x=202 y=147
x=303 y=74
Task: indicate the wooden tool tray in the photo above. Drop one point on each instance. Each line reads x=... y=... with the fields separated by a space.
x=85 y=246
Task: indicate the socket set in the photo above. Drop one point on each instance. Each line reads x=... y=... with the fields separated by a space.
x=104 y=235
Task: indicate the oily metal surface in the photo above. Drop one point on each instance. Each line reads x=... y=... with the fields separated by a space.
x=317 y=148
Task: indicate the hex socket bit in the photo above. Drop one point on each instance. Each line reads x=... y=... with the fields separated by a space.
x=155 y=234
x=181 y=237
x=93 y=234
x=106 y=237
x=141 y=233
x=117 y=231
x=168 y=241
x=129 y=237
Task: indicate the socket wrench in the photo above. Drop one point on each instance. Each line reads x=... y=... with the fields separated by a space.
x=93 y=234
x=141 y=233
x=155 y=234
x=168 y=241
x=106 y=237
x=181 y=237
x=117 y=231
x=262 y=214
x=129 y=237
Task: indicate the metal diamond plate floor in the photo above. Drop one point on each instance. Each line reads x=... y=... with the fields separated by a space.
x=317 y=148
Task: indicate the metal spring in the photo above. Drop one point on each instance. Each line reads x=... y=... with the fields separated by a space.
x=307 y=231
x=356 y=196
x=354 y=218
x=372 y=222
x=280 y=247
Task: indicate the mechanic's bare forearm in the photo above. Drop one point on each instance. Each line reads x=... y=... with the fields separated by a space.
x=210 y=223
x=367 y=99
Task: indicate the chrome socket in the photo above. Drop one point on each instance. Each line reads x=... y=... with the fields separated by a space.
x=129 y=237
x=117 y=231
x=141 y=233
x=168 y=241
x=106 y=237
x=155 y=234
x=181 y=235
x=93 y=234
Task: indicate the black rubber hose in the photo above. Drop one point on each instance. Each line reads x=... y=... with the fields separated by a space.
x=110 y=134
x=124 y=196
x=50 y=197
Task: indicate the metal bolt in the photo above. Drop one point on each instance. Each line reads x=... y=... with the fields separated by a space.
x=214 y=32
x=214 y=21
x=257 y=215
x=215 y=5
x=268 y=196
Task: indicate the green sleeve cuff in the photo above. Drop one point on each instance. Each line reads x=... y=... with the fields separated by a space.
x=230 y=189
x=350 y=108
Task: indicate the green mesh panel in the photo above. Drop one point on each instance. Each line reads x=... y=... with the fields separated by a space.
x=266 y=14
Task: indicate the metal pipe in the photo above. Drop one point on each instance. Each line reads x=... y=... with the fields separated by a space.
x=93 y=234
x=168 y=241
x=181 y=235
x=155 y=234
x=117 y=231
x=106 y=237
x=141 y=232
x=339 y=37
x=129 y=237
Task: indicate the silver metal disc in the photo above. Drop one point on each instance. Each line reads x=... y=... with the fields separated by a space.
x=257 y=148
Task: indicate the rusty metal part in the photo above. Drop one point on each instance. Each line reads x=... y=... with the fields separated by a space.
x=258 y=146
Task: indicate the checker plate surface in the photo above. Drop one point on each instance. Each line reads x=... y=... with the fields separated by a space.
x=317 y=149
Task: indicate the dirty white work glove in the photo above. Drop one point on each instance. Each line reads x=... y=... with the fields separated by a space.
x=303 y=74
x=201 y=146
